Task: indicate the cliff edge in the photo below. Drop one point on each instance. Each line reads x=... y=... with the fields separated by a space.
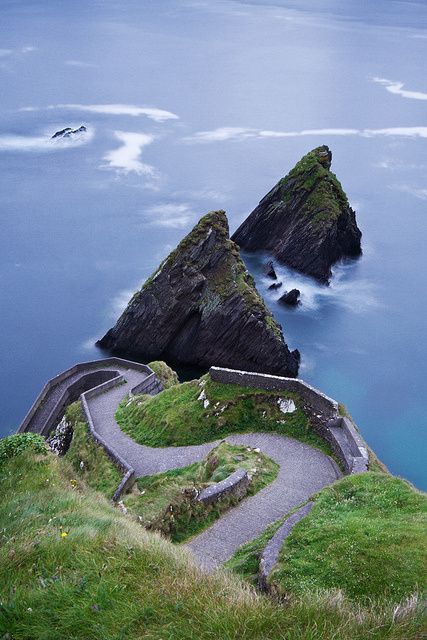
x=305 y=221
x=201 y=307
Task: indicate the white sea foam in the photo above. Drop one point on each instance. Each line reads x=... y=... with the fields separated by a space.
x=356 y=295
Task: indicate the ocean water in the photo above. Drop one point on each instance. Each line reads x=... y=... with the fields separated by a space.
x=196 y=105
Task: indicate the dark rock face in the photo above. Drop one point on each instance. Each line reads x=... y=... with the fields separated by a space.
x=275 y=285
x=60 y=440
x=291 y=298
x=305 y=220
x=269 y=271
x=68 y=132
x=201 y=307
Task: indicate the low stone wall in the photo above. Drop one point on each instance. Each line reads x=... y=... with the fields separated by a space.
x=319 y=402
x=129 y=472
x=86 y=380
x=151 y=385
x=235 y=485
x=73 y=393
x=340 y=433
x=53 y=384
x=270 y=555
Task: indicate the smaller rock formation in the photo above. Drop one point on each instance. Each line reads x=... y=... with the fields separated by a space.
x=68 y=132
x=305 y=221
x=201 y=307
x=291 y=298
x=269 y=271
x=275 y=285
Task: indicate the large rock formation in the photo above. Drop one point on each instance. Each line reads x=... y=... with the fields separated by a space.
x=305 y=220
x=201 y=307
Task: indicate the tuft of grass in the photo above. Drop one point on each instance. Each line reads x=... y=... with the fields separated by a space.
x=365 y=535
x=109 y=579
x=17 y=443
x=179 y=415
x=89 y=460
x=167 y=376
x=166 y=501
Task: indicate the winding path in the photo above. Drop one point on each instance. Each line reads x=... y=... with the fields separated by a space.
x=303 y=471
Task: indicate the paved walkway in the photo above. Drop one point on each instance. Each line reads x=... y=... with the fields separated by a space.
x=303 y=471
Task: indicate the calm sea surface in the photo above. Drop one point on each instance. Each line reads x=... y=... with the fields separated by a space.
x=199 y=105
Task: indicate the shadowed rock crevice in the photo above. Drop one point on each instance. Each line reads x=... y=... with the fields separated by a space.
x=305 y=220
x=201 y=307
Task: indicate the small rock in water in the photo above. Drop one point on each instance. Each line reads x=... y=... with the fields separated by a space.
x=68 y=132
x=275 y=285
x=291 y=298
x=269 y=271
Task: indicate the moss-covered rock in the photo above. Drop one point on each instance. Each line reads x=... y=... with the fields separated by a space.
x=305 y=220
x=167 y=376
x=201 y=307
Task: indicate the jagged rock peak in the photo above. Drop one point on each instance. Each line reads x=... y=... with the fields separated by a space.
x=305 y=221
x=201 y=307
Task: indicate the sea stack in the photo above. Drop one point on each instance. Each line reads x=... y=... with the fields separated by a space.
x=305 y=221
x=201 y=307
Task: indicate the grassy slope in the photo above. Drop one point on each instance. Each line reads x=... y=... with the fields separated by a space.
x=97 y=470
x=365 y=535
x=108 y=579
x=177 y=417
x=164 y=501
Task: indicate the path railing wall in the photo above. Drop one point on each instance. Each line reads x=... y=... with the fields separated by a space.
x=340 y=433
x=97 y=366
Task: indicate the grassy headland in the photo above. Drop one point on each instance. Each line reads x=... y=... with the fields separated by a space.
x=75 y=567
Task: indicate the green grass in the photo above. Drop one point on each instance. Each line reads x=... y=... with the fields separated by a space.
x=109 y=579
x=178 y=417
x=97 y=470
x=17 y=443
x=165 y=501
x=366 y=535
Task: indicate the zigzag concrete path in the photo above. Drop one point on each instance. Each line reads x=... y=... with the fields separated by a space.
x=303 y=471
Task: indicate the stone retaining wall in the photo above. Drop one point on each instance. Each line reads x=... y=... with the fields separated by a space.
x=129 y=472
x=316 y=399
x=151 y=385
x=235 y=485
x=340 y=433
x=270 y=555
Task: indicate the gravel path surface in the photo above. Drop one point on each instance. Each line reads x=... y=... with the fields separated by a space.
x=303 y=471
